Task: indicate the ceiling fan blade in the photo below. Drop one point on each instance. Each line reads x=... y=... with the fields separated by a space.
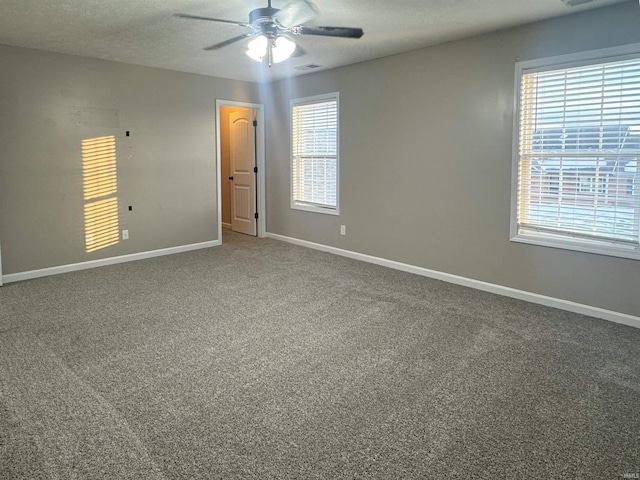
x=296 y=12
x=228 y=42
x=344 y=32
x=210 y=19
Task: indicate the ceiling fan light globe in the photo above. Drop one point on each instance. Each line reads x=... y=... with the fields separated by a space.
x=282 y=49
x=257 y=48
x=254 y=55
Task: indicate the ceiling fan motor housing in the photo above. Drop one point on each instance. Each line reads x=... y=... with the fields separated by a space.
x=262 y=20
x=262 y=14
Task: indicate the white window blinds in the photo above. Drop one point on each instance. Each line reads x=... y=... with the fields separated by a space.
x=315 y=153
x=579 y=142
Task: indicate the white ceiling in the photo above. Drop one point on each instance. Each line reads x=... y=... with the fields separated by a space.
x=145 y=32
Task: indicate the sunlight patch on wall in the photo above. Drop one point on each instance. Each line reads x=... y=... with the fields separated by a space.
x=99 y=180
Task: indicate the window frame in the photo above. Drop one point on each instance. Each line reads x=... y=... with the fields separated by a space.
x=545 y=239
x=306 y=206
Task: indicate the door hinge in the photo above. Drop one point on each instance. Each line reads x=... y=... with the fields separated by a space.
x=255 y=123
x=255 y=169
x=256 y=215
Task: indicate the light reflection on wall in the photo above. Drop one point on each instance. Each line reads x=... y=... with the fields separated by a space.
x=100 y=186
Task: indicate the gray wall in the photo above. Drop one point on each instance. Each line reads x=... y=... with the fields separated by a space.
x=425 y=165
x=166 y=168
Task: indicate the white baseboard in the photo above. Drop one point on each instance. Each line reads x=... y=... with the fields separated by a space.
x=44 y=272
x=574 y=307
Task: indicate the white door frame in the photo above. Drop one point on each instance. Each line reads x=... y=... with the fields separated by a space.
x=260 y=153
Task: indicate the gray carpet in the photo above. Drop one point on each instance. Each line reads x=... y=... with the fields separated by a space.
x=259 y=360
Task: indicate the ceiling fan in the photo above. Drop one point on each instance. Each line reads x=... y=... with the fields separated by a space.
x=271 y=29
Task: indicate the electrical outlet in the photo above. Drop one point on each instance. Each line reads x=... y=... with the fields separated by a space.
x=125 y=234
x=343 y=229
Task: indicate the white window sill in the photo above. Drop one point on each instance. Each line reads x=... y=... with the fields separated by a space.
x=315 y=209
x=578 y=245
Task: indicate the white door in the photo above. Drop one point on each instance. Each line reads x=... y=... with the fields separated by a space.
x=243 y=177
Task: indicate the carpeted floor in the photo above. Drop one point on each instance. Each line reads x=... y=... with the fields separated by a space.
x=259 y=360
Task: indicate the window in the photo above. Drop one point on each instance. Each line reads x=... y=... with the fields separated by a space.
x=632 y=184
x=554 y=184
x=592 y=185
x=314 y=153
x=576 y=147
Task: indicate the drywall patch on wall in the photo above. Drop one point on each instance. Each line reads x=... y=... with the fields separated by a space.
x=97 y=117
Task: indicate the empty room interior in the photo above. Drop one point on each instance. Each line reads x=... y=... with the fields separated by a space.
x=264 y=239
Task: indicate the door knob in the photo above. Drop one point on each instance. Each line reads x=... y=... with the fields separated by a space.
x=230 y=178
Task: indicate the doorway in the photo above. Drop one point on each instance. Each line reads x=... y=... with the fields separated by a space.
x=240 y=167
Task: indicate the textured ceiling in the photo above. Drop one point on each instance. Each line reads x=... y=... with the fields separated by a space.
x=144 y=32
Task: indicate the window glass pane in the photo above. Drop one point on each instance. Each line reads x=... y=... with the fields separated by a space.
x=579 y=141
x=315 y=152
